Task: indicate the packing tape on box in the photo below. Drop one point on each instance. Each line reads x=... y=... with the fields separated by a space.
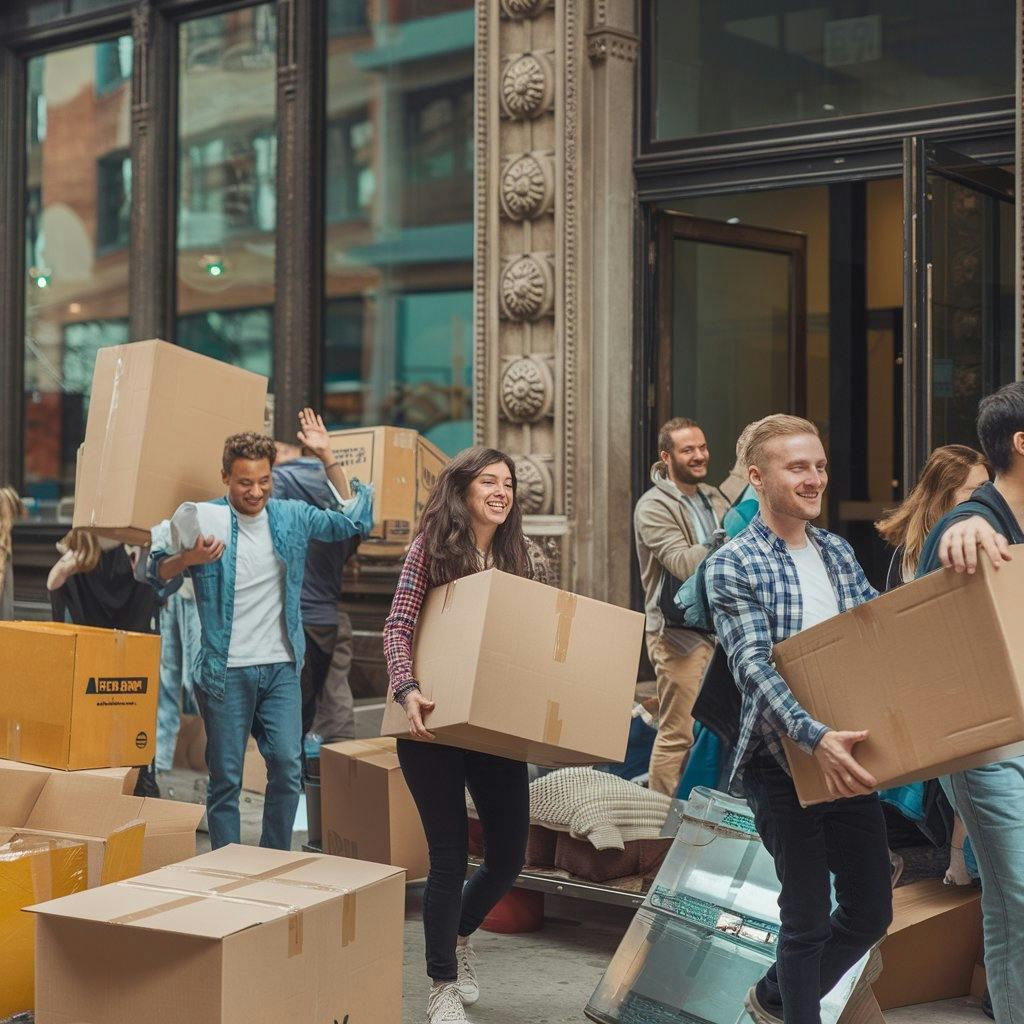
x=115 y=401
x=186 y=899
x=449 y=596
x=553 y=723
x=565 y=608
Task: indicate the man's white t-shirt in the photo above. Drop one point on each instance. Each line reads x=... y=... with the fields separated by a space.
x=258 y=632
x=819 y=597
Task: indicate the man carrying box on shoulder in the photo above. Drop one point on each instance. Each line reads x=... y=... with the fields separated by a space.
x=246 y=555
x=990 y=799
x=675 y=522
x=776 y=578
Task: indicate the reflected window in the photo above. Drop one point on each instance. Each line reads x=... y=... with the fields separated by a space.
x=77 y=210
x=399 y=217
x=347 y=17
x=721 y=66
x=227 y=186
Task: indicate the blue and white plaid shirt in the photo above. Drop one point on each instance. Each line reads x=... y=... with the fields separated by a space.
x=755 y=598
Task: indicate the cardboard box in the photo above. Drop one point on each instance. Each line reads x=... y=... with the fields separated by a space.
x=934 y=671
x=235 y=936
x=77 y=697
x=402 y=466
x=190 y=749
x=254 y=770
x=89 y=808
x=932 y=946
x=158 y=418
x=862 y=1008
x=366 y=808
x=525 y=671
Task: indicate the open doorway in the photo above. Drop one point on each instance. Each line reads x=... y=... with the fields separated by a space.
x=882 y=310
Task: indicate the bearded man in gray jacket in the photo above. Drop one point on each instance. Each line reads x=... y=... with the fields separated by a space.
x=675 y=524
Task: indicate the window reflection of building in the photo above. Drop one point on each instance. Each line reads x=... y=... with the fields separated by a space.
x=399 y=231
x=227 y=191
x=77 y=219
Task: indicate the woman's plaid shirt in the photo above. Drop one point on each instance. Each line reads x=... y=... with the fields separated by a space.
x=755 y=598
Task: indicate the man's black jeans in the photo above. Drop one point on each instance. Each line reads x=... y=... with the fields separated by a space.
x=438 y=777
x=844 y=837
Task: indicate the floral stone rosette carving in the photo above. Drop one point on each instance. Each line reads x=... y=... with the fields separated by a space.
x=527 y=186
x=527 y=86
x=527 y=389
x=527 y=287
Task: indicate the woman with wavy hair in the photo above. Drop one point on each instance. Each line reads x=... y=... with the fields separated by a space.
x=950 y=476
x=472 y=522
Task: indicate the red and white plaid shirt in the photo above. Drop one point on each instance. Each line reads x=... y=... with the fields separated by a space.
x=400 y=625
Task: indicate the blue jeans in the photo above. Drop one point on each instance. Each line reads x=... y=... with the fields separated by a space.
x=180 y=638
x=990 y=801
x=266 y=701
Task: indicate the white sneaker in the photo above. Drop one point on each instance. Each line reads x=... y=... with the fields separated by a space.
x=444 y=1005
x=467 y=985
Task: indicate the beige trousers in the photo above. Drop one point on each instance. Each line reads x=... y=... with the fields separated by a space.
x=679 y=677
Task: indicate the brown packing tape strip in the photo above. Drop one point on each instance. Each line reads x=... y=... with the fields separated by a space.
x=565 y=608
x=348 y=919
x=553 y=723
x=187 y=899
x=449 y=596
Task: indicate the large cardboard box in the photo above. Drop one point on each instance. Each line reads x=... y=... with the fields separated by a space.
x=366 y=807
x=402 y=466
x=933 y=944
x=190 y=748
x=522 y=670
x=77 y=697
x=233 y=937
x=934 y=671
x=158 y=418
x=254 y=769
x=90 y=807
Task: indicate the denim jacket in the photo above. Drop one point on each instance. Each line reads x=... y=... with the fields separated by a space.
x=292 y=525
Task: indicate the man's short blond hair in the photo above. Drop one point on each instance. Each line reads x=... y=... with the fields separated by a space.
x=753 y=442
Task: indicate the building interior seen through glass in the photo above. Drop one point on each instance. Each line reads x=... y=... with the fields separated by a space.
x=722 y=65
x=398 y=203
x=399 y=209
x=77 y=210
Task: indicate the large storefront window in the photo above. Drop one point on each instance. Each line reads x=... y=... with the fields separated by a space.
x=399 y=213
x=77 y=207
x=720 y=65
x=227 y=192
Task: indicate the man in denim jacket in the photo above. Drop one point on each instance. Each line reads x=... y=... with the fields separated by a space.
x=246 y=556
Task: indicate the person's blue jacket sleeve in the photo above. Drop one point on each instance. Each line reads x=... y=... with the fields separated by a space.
x=355 y=519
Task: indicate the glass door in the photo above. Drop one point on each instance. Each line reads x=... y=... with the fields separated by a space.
x=732 y=323
x=958 y=297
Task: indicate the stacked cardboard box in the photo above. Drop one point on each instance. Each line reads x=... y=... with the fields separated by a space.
x=934 y=671
x=158 y=418
x=77 y=697
x=235 y=936
x=366 y=807
x=402 y=466
x=62 y=832
x=525 y=671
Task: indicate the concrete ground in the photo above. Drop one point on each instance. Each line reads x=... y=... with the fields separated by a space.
x=545 y=977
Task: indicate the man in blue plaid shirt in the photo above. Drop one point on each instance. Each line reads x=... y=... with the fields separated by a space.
x=778 y=577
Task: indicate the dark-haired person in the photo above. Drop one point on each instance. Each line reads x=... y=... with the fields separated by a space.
x=674 y=523
x=471 y=522
x=246 y=555
x=990 y=799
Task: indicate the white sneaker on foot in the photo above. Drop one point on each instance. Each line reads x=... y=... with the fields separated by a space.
x=467 y=985
x=444 y=1005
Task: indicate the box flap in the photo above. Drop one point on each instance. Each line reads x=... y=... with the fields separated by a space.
x=20 y=787
x=918 y=902
x=170 y=817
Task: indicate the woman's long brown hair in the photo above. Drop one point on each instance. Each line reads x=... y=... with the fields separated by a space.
x=447 y=529
x=932 y=497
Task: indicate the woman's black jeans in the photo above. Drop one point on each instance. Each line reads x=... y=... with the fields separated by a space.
x=845 y=837
x=438 y=777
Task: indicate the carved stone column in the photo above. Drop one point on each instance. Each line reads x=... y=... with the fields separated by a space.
x=554 y=216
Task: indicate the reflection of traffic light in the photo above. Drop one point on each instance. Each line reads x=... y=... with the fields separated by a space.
x=213 y=265
x=40 y=277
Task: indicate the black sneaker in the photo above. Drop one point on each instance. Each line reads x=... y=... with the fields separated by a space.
x=146 y=785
